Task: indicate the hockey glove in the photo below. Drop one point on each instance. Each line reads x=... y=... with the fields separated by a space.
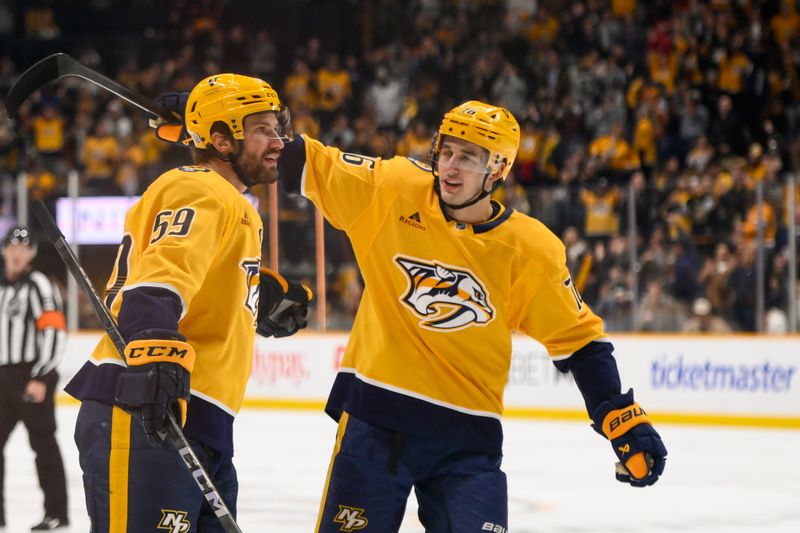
x=156 y=380
x=282 y=305
x=173 y=131
x=637 y=445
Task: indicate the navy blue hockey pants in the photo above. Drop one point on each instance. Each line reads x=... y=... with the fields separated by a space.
x=373 y=470
x=134 y=486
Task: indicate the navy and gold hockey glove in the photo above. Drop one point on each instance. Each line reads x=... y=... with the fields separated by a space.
x=156 y=380
x=282 y=305
x=173 y=131
x=638 y=446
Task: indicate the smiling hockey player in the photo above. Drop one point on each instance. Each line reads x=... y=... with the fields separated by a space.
x=449 y=274
x=187 y=293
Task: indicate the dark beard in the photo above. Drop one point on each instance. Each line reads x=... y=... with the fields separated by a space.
x=251 y=171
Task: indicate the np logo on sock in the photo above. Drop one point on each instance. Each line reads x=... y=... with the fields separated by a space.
x=174 y=521
x=351 y=518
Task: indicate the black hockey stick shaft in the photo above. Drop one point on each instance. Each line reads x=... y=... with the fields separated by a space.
x=173 y=430
x=60 y=65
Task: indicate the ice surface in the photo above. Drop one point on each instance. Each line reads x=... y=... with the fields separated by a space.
x=560 y=478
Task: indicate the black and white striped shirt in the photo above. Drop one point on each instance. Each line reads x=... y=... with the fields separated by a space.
x=31 y=323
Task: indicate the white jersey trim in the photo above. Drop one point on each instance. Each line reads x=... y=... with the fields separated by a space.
x=303 y=181
x=214 y=402
x=567 y=356
x=108 y=361
x=158 y=285
x=418 y=396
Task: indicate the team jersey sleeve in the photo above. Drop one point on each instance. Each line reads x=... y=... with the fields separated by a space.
x=340 y=184
x=554 y=312
x=180 y=229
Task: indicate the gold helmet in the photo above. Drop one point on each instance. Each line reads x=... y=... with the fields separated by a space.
x=491 y=127
x=229 y=98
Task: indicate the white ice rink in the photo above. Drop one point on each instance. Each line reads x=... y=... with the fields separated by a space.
x=560 y=478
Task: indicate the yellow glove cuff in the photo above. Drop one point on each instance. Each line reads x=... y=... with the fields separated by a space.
x=620 y=421
x=264 y=271
x=146 y=351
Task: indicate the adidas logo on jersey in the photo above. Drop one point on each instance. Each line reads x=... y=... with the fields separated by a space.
x=414 y=221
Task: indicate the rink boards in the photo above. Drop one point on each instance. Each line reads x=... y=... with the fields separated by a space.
x=720 y=380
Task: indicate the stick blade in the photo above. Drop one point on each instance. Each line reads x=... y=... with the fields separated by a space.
x=33 y=79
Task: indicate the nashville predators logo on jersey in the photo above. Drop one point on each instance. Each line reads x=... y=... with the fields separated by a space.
x=445 y=297
x=250 y=267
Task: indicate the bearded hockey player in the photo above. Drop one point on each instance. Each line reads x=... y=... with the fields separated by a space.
x=187 y=293
x=449 y=274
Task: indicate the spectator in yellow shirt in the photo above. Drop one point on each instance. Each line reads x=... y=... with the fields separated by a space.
x=530 y=146
x=663 y=69
x=600 y=204
x=100 y=156
x=299 y=88
x=544 y=28
x=48 y=138
x=644 y=136
x=734 y=66
x=304 y=122
x=623 y=8
x=769 y=221
x=612 y=152
x=786 y=24
x=41 y=182
x=333 y=84
x=416 y=142
x=130 y=164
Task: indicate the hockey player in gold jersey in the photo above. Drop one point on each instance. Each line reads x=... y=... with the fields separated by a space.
x=188 y=295
x=449 y=274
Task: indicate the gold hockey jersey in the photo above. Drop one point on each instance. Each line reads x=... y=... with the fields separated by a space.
x=430 y=348
x=193 y=236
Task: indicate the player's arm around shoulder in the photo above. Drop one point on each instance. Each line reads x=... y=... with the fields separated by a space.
x=342 y=185
x=305 y=161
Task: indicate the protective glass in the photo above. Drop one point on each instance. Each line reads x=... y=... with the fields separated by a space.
x=282 y=132
x=478 y=162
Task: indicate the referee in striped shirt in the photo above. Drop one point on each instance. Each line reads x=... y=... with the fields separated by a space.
x=32 y=339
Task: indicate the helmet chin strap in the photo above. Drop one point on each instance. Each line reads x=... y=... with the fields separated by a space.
x=233 y=159
x=477 y=198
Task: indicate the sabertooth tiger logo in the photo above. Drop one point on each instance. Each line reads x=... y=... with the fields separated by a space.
x=251 y=272
x=445 y=297
x=174 y=521
x=351 y=518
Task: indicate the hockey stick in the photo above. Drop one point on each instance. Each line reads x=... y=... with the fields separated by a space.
x=60 y=65
x=173 y=430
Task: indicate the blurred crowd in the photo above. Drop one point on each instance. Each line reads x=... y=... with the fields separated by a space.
x=681 y=113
